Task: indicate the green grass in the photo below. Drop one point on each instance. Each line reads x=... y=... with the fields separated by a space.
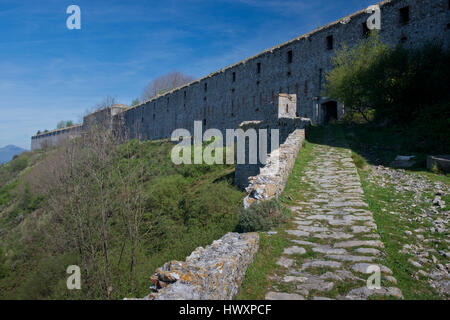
x=256 y=282
x=380 y=200
x=384 y=199
x=392 y=231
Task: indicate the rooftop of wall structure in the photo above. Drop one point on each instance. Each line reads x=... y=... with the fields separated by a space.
x=57 y=130
x=121 y=106
x=114 y=106
x=270 y=50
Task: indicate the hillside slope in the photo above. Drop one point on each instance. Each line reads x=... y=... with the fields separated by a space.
x=117 y=211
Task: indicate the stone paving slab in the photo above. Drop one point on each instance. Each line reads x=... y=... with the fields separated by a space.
x=334 y=239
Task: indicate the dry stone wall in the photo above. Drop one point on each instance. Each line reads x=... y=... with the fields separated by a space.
x=271 y=180
x=285 y=127
x=211 y=273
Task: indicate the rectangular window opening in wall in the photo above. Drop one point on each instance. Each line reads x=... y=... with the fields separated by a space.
x=288 y=73
x=234 y=76
x=257 y=83
x=289 y=56
x=258 y=67
x=206 y=87
x=404 y=15
x=185 y=94
x=330 y=42
x=366 y=31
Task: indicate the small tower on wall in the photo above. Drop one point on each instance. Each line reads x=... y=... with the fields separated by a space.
x=287 y=105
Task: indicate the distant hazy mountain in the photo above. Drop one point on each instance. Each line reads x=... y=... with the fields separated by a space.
x=8 y=152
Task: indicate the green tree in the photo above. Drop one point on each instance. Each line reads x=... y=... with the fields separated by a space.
x=64 y=124
x=351 y=75
x=400 y=84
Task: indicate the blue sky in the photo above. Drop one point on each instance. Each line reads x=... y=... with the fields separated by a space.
x=49 y=73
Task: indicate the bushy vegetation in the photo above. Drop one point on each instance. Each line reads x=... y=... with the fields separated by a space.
x=64 y=124
x=408 y=89
x=263 y=216
x=117 y=210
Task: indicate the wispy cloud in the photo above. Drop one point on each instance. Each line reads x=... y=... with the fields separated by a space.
x=49 y=73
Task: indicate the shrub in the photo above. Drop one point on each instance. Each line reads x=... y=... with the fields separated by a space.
x=263 y=216
x=360 y=162
x=19 y=164
x=3 y=267
x=400 y=84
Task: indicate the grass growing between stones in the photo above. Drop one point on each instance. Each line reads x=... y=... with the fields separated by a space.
x=257 y=282
x=397 y=213
x=392 y=229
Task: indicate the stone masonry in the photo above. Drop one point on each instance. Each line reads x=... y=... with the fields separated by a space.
x=248 y=90
x=271 y=180
x=334 y=241
x=211 y=273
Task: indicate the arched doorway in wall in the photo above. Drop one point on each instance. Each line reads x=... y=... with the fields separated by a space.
x=329 y=111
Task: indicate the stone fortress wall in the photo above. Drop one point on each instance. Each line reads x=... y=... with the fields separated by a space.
x=249 y=90
x=55 y=137
x=104 y=118
x=279 y=88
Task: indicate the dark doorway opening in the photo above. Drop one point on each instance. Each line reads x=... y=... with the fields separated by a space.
x=330 y=111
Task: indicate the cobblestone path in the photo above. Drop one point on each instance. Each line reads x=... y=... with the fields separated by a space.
x=333 y=237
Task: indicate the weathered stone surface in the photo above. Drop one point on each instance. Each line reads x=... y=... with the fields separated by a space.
x=344 y=257
x=339 y=229
x=328 y=250
x=285 y=262
x=363 y=293
x=442 y=162
x=298 y=233
x=321 y=264
x=364 y=267
x=294 y=279
x=273 y=176
x=368 y=251
x=283 y=296
x=294 y=250
x=211 y=273
x=357 y=243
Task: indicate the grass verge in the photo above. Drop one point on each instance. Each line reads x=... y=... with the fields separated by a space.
x=257 y=281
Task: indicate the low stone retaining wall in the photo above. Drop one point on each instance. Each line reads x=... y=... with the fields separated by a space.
x=271 y=180
x=211 y=273
x=442 y=162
